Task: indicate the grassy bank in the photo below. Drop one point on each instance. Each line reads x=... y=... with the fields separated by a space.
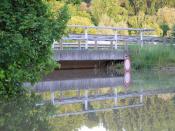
x=152 y=56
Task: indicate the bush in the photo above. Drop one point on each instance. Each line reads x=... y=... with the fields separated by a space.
x=164 y=28
x=173 y=31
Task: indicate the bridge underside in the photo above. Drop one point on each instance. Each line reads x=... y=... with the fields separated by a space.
x=85 y=59
x=88 y=64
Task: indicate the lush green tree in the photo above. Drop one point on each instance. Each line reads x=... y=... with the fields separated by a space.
x=149 y=7
x=27 y=30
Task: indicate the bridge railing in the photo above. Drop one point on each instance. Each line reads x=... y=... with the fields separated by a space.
x=87 y=40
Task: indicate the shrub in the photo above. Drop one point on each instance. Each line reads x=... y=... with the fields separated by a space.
x=164 y=28
x=173 y=31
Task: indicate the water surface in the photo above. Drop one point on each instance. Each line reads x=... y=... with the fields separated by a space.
x=92 y=100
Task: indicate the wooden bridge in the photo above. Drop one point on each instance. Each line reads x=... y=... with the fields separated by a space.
x=96 y=47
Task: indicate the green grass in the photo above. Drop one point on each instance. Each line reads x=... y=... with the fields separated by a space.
x=150 y=56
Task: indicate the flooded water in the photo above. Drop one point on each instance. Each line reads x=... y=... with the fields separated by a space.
x=95 y=100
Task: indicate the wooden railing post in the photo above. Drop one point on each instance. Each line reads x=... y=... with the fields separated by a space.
x=141 y=96
x=116 y=39
x=61 y=44
x=86 y=38
x=141 y=38
x=111 y=45
x=96 y=45
x=126 y=48
x=86 y=100
x=79 y=45
x=52 y=97
x=116 y=96
x=78 y=93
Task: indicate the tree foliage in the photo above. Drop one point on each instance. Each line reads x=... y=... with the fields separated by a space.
x=166 y=15
x=125 y=13
x=27 y=30
x=78 y=20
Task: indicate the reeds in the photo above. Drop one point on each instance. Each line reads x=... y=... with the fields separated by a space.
x=151 y=56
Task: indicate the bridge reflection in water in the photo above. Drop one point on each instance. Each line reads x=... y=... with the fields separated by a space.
x=87 y=89
x=67 y=87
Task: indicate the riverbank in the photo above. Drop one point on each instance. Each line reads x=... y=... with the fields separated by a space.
x=152 y=57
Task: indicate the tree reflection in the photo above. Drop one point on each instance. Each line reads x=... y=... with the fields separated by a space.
x=24 y=114
x=156 y=114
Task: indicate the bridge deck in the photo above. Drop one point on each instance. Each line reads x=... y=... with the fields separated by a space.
x=84 y=55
